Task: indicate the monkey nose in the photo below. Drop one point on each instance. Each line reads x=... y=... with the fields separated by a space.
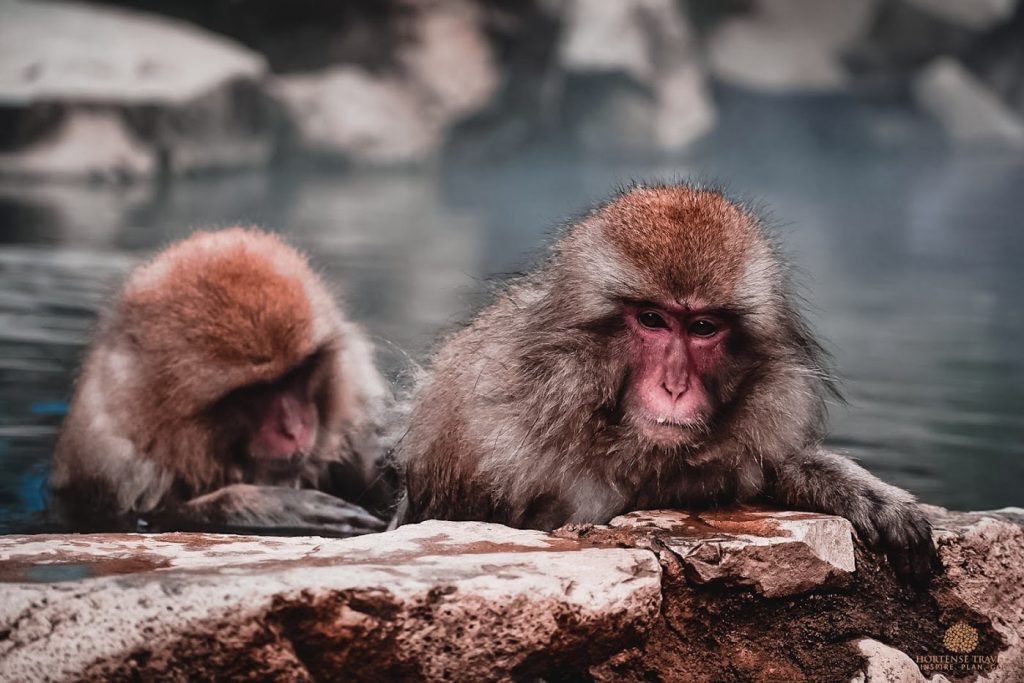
x=286 y=430
x=675 y=390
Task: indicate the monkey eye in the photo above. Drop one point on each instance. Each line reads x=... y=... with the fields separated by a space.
x=703 y=328
x=652 y=320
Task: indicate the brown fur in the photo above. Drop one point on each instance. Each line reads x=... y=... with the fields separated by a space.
x=214 y=313
x=689 y=240
x=522 y=419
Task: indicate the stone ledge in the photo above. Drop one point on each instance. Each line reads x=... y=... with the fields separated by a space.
x=438 y=599
x=748 y=547
x=730 y=595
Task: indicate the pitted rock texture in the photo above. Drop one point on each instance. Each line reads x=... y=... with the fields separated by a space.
x=864 y=626
x=732 y=595
x=436 y=600
x=983 y=553
x=746 y=548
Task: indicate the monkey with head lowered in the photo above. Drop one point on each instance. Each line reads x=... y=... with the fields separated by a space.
x=656 y=359
x=225 y=390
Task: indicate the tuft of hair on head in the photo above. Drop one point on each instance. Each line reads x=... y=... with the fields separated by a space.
x=222 y=309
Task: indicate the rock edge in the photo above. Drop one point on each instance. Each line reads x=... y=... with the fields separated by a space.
x=729 y=595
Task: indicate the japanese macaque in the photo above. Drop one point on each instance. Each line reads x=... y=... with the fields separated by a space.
x=656 y=359
x=225 y=390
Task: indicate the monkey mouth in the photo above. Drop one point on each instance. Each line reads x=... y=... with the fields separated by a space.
x=666 y=431
x=671 y=431
x=674 y=423
x=279 y=461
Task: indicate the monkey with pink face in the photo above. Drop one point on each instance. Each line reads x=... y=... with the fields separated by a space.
x=656 y=359
x=225 y=390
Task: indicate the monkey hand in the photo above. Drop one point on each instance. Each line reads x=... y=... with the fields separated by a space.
x=901 y=530
x=886 y=518
x=245 y=508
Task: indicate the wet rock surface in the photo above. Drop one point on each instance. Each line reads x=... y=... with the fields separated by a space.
x=435 y=600
x=747 y=548
x=728 y=595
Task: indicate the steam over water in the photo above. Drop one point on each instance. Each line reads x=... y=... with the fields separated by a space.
x=914 y=269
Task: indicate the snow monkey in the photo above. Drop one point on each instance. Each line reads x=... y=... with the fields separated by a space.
x=656 y=359
x=225 y=390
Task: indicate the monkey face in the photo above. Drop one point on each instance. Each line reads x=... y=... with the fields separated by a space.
x=277 y=422
x=676 y=352
x=287 y=422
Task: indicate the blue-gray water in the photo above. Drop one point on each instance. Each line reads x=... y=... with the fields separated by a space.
x=913 y=268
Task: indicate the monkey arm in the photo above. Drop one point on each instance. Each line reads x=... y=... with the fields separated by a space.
x=884 y=516
x=245 y=508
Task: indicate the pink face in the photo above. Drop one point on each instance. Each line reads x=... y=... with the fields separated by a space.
x=287 y=422
x=674 y=347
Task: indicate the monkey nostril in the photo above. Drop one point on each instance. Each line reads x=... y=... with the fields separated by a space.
x=675 y=390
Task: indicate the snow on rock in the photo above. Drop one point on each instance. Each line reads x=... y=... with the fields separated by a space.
x=789 y=45
x=632 y=75
x=445 y=72
x=971 y=114
x=104 y=92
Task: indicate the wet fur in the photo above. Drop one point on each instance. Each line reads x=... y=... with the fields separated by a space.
x=522 y=421
x=151 y=425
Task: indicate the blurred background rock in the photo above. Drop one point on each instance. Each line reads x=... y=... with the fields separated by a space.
x=141 y=88
x=417 y=148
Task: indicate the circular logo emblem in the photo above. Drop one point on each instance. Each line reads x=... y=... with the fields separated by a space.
x=961 y=638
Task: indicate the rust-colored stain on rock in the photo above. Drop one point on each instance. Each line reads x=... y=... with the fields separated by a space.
x=74 y=568
x=744 y=520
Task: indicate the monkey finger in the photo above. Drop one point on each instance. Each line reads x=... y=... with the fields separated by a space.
x=915 y=563
x=321 y=527
x=329 y=511
x=926 y=562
